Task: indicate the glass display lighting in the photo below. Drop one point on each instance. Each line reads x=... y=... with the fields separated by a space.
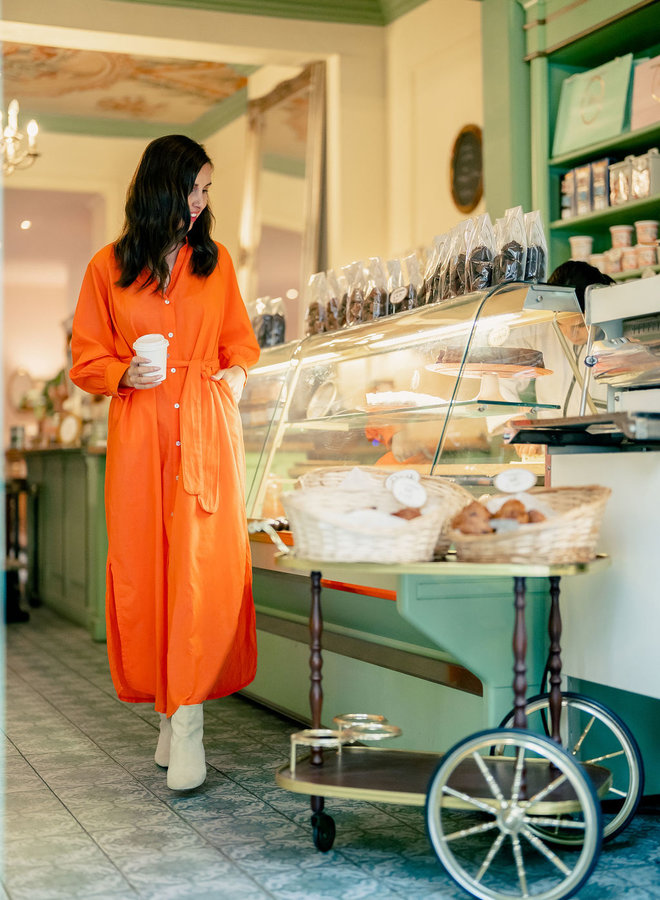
x=19 y=149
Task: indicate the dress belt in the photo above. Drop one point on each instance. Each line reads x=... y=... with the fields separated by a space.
x=200 y=443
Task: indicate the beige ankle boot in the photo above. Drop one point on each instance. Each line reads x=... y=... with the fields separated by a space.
x=162 y=754
x=187 y=767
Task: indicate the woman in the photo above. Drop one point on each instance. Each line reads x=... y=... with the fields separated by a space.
x=180 y=617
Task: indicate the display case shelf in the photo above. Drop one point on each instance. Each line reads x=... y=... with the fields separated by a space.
x=347 y=420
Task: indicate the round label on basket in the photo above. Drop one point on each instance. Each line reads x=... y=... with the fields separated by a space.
x=514 y=480
x=412 y=474
x=408 y=492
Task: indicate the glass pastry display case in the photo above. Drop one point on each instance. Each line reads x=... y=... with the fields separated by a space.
x=432 y=389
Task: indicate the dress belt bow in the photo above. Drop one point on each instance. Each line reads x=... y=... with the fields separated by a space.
x=200 y=438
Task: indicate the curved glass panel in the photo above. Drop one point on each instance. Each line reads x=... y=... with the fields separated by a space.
x=432 y=389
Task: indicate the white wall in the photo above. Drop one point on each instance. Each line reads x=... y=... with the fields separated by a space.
x=356 y=102
x=79 y=163
x=434 y=88
x=227 y=150
x=397 y=98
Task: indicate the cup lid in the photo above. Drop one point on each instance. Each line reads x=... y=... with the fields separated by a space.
x=149 y=340
x=621 y=228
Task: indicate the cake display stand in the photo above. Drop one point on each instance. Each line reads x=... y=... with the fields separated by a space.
x=489 y=375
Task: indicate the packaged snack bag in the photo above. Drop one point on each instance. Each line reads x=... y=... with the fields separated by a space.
x=457 y=259
x=356 y=288
x=511 y=255
x=480 y=255
x=537 y=248
x=415 y=280
x=400 y=293
x=315 y=297
x=335 y=310
x=376 y=303
x=432 y=274
x=277 y=322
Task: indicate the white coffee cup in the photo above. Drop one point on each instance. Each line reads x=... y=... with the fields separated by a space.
x=153 y=347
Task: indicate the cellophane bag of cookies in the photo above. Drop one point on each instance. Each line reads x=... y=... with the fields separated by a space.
x=456 y=287
x=260 y=319
x=356 y=288
x=537 y=247
x=414 y=277
x=401 y=295
x=511 y=256
x=335 y=307
x=376 y=302
x=432 y=274
x=315 y=298
x=277 y=330
x=445 y=261
x=480 y=255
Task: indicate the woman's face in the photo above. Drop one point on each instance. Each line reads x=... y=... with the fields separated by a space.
x=199 y=196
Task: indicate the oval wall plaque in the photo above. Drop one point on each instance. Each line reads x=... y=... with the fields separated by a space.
x=467 y=169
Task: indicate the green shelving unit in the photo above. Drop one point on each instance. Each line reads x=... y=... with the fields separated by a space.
x=576 y=38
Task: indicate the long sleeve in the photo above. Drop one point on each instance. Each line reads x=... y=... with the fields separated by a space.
x=238 y=344
x=97 y=368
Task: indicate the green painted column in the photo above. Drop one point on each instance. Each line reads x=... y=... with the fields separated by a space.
x=507 y=179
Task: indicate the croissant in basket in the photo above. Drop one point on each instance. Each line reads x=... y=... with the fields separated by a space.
x=568 y=534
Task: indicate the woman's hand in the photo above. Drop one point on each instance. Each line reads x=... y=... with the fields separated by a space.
x=139 y=375
x=235 y=377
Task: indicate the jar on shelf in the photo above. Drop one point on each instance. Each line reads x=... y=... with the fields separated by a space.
x=612 y=261
x=621 y=235
x=628 y=259
x=647 y=255
x=647 y=231
x=581 y=246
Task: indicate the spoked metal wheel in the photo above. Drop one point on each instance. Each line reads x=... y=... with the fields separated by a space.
x=593 y=734
x=483 y=812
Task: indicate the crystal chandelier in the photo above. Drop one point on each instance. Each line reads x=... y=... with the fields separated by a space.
x=19 y=149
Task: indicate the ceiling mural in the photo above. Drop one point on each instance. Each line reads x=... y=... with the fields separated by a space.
x=61 y=84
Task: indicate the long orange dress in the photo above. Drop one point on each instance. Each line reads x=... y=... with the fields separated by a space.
x=179 y=610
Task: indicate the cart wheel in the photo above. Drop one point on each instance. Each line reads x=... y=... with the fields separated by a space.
x=480 y=809
x=323 y=831
x=593 y=733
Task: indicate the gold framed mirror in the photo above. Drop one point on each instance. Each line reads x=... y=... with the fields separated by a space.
x=282 y=228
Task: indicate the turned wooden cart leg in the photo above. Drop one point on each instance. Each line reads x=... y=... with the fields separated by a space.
x=519 y=654
x=315 y=661
x=315 y=676
x=554 y=659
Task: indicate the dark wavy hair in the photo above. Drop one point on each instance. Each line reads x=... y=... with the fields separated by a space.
x=579 y=275
x=158 y=215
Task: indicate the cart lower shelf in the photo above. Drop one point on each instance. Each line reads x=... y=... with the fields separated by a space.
x=401 y=776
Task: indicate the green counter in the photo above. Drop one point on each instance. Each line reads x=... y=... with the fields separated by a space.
x=67 y=533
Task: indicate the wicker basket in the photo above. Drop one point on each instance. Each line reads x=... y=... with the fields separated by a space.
x=316 y=513
x=569 y=536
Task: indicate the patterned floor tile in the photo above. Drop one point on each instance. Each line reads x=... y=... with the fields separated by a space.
x=89 y=814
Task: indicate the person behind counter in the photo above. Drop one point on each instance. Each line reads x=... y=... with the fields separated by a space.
x=180 y=616
x=562 y=385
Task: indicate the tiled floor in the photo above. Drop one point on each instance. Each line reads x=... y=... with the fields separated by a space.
x=88 y=813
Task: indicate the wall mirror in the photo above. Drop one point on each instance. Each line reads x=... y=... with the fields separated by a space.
x=282 y=228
